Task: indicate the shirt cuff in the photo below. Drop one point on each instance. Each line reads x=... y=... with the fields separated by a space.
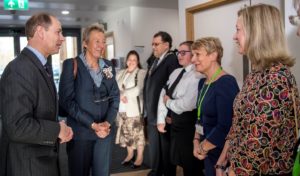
x=168 y=103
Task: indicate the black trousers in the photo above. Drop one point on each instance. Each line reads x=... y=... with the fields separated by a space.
x=159 y=150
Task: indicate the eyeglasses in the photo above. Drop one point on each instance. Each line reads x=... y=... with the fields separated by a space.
x=182 y=53
x=156 y=44
x=295 y=20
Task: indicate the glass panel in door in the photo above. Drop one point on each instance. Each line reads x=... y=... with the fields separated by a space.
x=7 y=53
x=68 y=50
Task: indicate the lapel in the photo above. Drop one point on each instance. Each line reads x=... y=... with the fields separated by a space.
x=83 y=68
x=32 y=57
x=130 y=81
x=161 y=63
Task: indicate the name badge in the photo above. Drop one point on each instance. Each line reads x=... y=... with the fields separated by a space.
x=199 y=129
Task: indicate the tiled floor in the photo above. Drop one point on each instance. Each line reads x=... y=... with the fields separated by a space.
x=144 y=173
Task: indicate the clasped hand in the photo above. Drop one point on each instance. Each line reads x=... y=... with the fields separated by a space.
x=65 y=133
x=101 y=129
x=197 y=152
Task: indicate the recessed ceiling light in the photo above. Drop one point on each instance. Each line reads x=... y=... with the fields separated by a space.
x=65 y=12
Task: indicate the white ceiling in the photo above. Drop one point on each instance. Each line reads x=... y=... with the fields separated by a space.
x=82 y=12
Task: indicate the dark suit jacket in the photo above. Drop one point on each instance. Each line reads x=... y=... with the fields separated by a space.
x=155 y=82
x=29 y=113
x=77 y=98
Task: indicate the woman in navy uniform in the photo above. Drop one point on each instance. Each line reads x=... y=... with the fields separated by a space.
x=91 y=98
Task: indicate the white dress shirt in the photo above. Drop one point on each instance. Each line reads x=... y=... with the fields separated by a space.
x=184 y=95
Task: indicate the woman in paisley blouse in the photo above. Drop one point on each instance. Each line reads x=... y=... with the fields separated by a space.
x=263 y=133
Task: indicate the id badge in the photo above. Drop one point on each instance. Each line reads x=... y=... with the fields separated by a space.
x=199 y=129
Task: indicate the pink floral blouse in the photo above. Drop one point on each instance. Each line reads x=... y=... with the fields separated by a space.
x=263 y=132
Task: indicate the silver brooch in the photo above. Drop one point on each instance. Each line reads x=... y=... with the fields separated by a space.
x=107 y=72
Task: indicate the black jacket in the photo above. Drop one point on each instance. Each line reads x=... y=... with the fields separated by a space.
x=154 y=82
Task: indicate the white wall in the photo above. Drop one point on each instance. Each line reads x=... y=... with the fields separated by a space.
x=119 y=22
x=135 y=26
x=293 y=40
x=182 y=5
x=220 y=22
x=146 y=22
x=224 y=29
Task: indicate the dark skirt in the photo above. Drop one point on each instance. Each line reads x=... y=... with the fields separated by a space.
x=182 y=135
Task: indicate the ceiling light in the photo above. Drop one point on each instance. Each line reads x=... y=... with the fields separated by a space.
x=65 y=12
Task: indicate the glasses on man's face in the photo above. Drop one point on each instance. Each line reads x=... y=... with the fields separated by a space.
x=156 y=44
x=182 y=52
x=295 y=20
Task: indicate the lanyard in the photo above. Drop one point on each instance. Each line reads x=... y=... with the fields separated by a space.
x=201 y=97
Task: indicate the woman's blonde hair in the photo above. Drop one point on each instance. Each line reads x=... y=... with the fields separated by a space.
x=87 y=31
x=265 y=38
x=210 y=44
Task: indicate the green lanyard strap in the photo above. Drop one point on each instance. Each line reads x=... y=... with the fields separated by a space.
x=201 y=97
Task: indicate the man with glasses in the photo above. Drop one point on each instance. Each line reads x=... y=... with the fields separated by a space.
x=157 y=75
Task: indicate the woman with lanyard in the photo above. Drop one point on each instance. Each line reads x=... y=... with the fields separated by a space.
x=215 y=99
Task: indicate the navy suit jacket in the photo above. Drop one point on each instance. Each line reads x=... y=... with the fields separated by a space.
x=28 y=145
x=77 y=97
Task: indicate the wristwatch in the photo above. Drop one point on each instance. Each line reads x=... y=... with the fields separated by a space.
x=217 y=166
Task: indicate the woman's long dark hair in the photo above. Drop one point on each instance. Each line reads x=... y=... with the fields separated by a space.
x=133 y=52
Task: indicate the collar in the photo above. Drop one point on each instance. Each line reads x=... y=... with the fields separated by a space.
x=163 y=55
x=101 y=61
x=39 y=55
x=189 y=68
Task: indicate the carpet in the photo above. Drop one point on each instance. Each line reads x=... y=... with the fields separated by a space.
x=118 y=155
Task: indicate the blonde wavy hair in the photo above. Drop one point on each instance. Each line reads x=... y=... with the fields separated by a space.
x=87 y=31
x=265 y=38
x=210 y=44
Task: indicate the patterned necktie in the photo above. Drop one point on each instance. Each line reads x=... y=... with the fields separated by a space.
x=154 y=65
x=48 y=69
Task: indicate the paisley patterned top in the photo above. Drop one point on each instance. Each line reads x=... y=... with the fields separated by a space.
x=263 y=134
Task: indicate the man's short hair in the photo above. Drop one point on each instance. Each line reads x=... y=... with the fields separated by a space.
x=165 y=37
x=40 y=19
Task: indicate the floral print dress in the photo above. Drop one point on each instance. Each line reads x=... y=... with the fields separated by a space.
x=263 y=133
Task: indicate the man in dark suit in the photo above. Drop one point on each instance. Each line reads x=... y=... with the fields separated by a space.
x=31 y=132
x=158 y=73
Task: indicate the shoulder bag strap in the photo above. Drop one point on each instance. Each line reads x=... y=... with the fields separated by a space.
x=138 y=98
x=75 y=67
